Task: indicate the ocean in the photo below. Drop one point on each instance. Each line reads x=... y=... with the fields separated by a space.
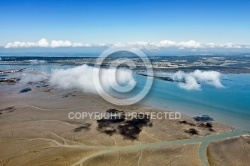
x=229 y=105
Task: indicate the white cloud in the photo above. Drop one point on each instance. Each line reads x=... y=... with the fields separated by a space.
x=60 y=43
x=194 y=80
x=166 y=43
x=81 y=77
x=209 y=77
x=230 y=45
x=191 y=44
x=210 y=45
x=191 y=84
x=118 y=44
x=14 y=44
x=43 y=43
x=102 y=44
x=81 y=45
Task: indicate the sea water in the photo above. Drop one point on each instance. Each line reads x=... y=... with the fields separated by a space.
x=229 y=105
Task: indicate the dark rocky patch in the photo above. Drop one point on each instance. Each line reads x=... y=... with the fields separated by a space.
x=39 y=84
x=111 y=119
x=113 y=111
x=186 y=122
x=203 y=118
x=207 y=125
x=109 y=131
x=116 y=122
x=158 y=77
x=25 y=90
x=8 y=110
x=68 y=95
x=163 y=78
x=11 y=71
x=113 y=116
x=129 y=132
x=192 y=131
x=183 y=121
x=65 y=96
x=85 y=126
x=9 y=81
x=212 y=130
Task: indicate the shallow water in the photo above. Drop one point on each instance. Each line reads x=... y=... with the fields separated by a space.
x=229 y=105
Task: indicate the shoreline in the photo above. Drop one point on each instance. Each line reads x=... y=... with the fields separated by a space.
x=38 y=119
x=153 y=106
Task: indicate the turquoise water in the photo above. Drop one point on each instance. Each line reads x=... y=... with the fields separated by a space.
x=229 y=105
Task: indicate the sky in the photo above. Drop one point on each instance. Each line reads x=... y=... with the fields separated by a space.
x=147 y=23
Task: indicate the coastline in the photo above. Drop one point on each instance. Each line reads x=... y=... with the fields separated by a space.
x=226 y=106
x=39 y=120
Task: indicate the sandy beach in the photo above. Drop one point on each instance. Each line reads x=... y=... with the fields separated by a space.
x=35 y=129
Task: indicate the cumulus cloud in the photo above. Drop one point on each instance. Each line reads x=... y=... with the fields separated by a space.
x=81 y=45
x=209 y=77
x=45 y=43
x=191 y=44
x=190 y=83
x=41 y=43
x=166 y=44
x=193 y=80
x=60 y=43
x=81 y=77
x=230 y=45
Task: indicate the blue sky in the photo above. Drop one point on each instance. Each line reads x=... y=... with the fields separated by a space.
x=111 y=21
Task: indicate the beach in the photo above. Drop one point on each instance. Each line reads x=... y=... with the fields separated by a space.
x=36 y=129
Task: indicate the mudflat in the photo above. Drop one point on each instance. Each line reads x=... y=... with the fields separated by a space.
x=36 y=129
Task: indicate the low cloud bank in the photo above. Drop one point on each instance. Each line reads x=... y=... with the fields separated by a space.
x=191 y=44
x=194 y=80
x=81 y=77
x=46 y=44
